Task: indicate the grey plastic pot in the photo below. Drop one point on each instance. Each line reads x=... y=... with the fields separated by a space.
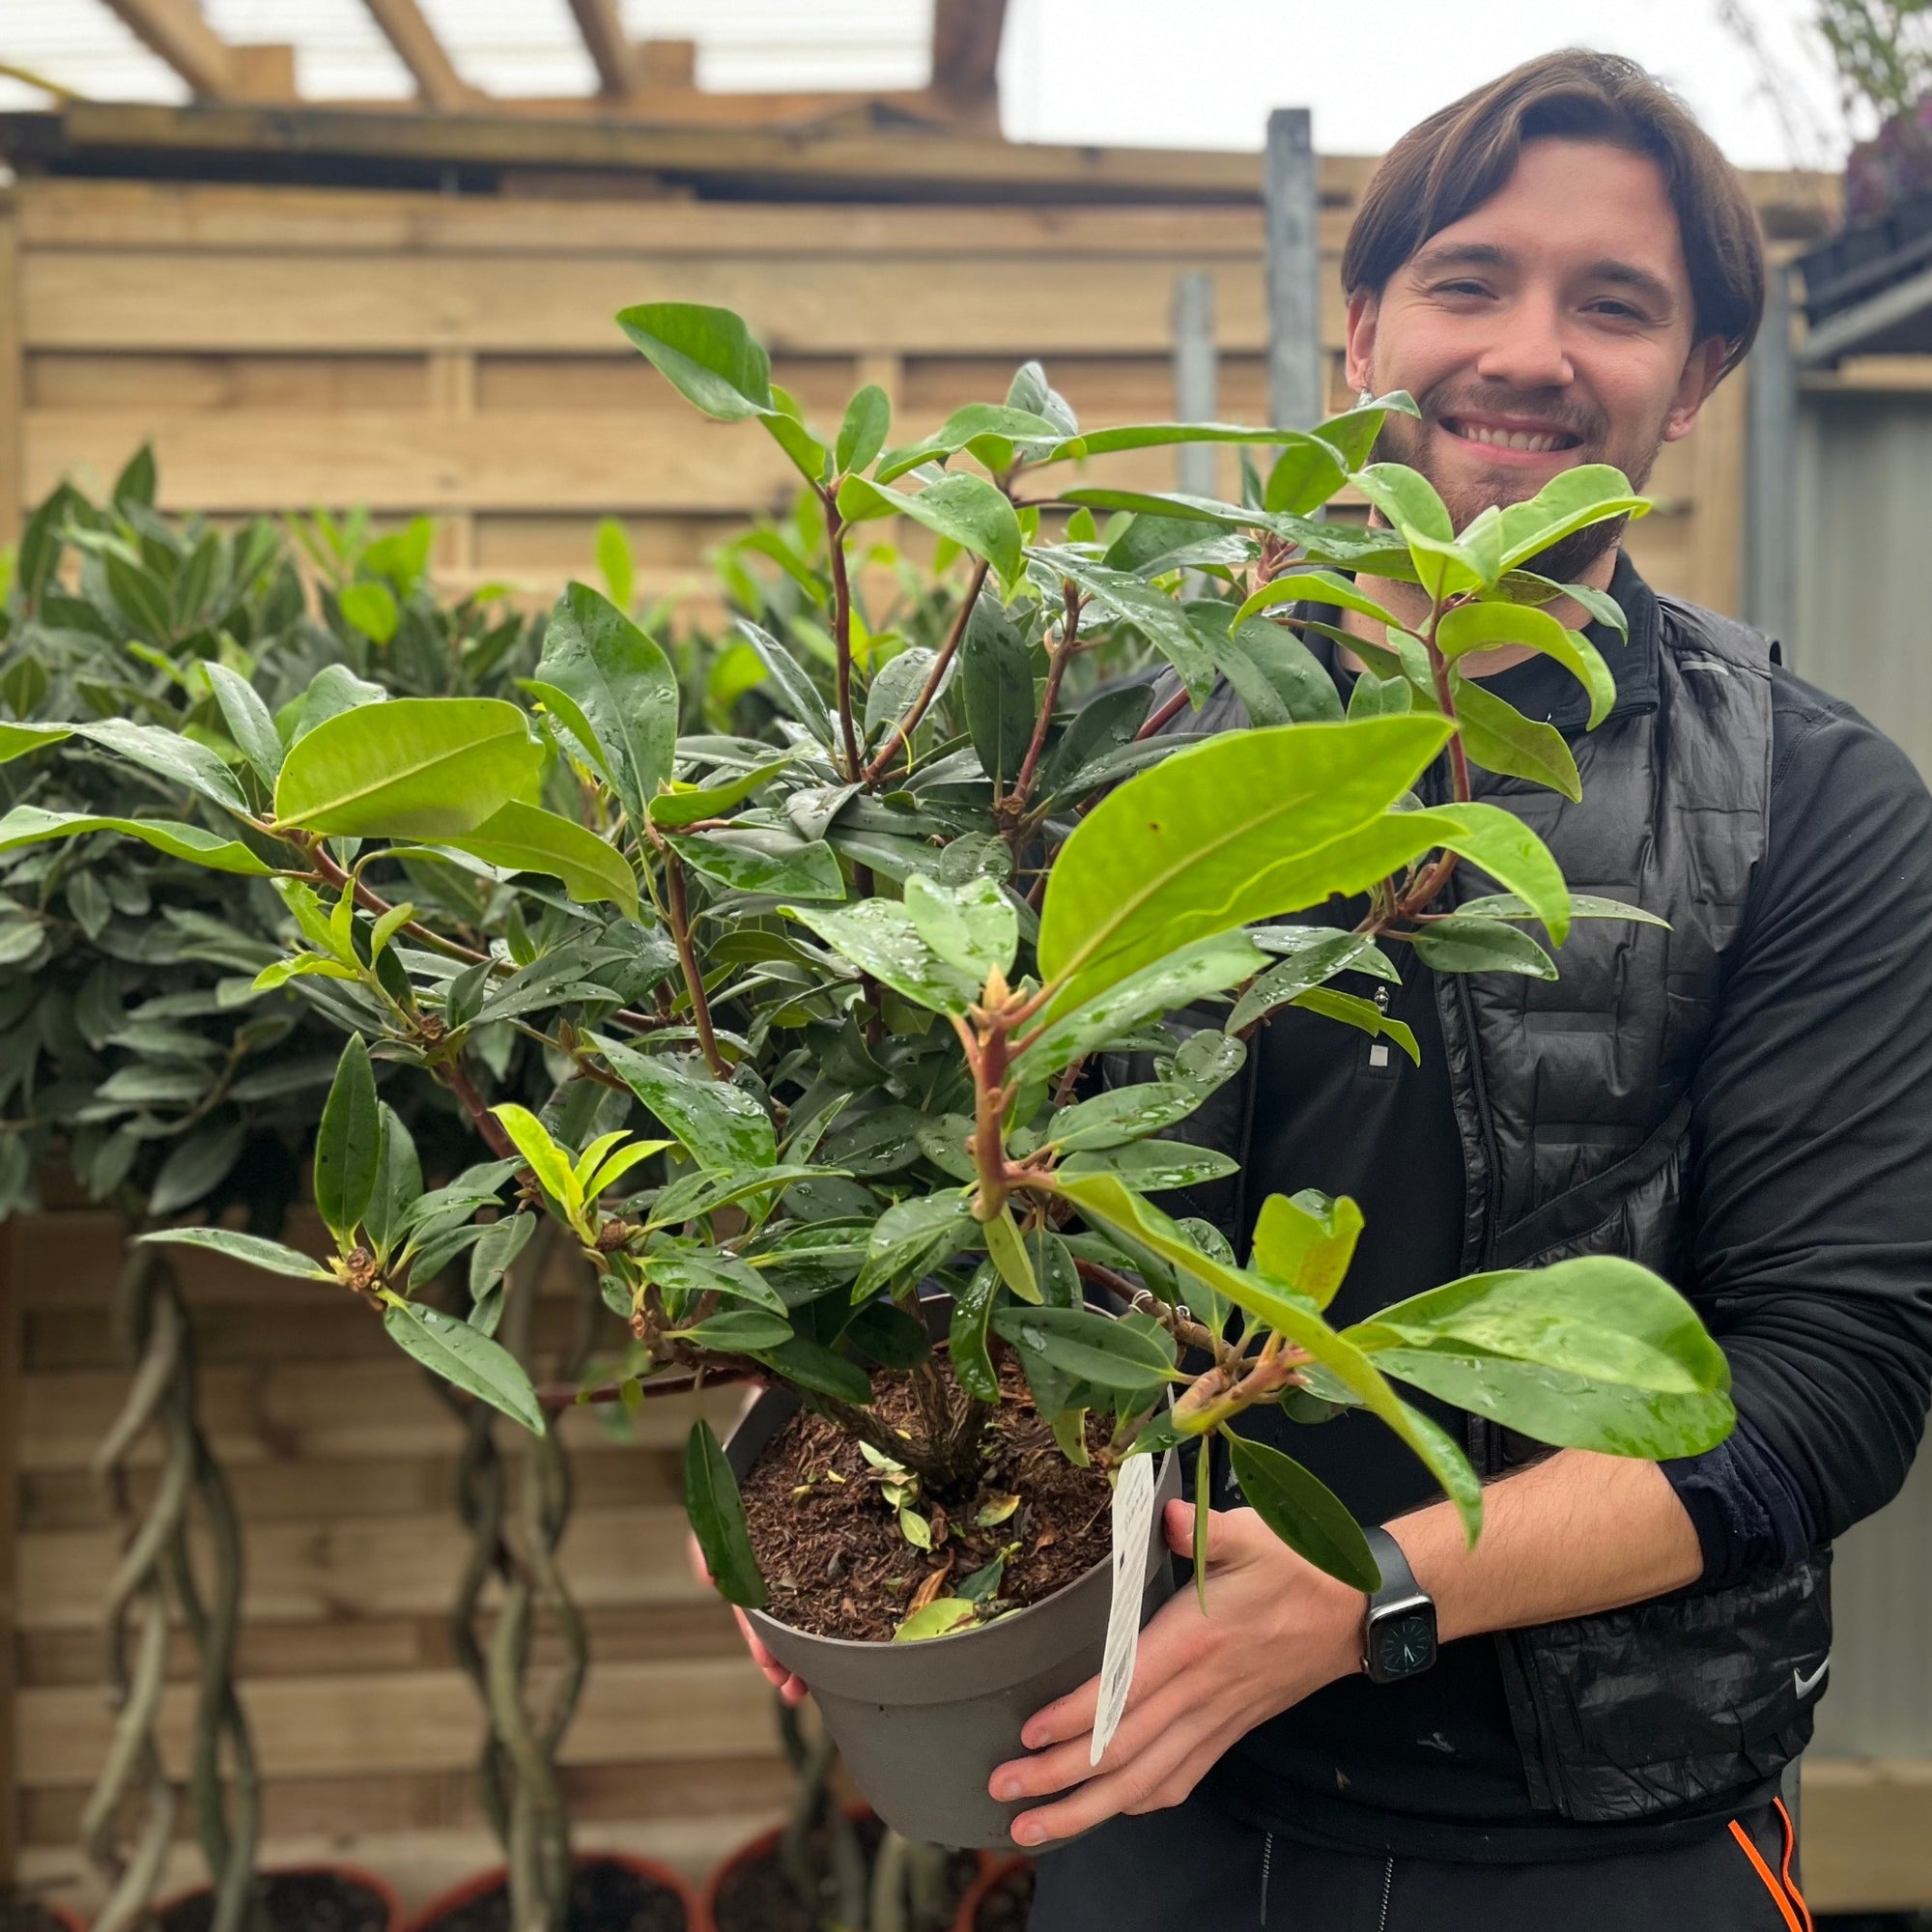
x=921 y=1725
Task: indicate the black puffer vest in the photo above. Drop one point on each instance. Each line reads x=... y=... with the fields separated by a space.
x=1572 y=1103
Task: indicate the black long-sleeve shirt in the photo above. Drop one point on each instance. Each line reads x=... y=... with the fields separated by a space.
x=1809 y=1196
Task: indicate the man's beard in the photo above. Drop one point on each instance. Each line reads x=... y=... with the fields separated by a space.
x=1567 y=560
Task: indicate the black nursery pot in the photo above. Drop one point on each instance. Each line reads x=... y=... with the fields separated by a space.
x=921 y=1725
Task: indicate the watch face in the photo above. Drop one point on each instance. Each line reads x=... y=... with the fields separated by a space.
x=1406 y=1644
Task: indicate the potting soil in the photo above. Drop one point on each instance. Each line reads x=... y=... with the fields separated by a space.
x=839 y=1564
x=605 y=1897
x=297 y=1901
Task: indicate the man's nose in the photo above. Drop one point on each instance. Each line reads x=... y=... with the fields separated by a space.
x=1528 y=349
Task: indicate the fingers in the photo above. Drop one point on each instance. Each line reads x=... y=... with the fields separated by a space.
x=1150 y=1719
x=1162 y=1776
x=793 y=1690
x=1176 y=1522
x=1167 y=1646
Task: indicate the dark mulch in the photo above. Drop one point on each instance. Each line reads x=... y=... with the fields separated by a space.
x=1007 y=1903
x=830 y=1547
x=605 y=1897
x=759 y=1895
x=298 y=1901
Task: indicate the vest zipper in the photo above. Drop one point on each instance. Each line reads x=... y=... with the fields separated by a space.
x=1268 y=1866
x=1388 y=1886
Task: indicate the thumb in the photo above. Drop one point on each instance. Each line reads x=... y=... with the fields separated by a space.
x=1177 y=1522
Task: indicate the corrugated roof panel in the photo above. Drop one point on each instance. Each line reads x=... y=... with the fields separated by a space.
x=513 y=46
x=340 y=52
x=754 y=46
x=80 y=45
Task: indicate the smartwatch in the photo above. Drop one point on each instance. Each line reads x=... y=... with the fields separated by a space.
x=1398 y=1628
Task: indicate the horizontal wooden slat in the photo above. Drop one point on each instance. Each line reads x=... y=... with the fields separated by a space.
x=381 y=1566
x=285 y=1412
x=210 y=302
x=422 y=1721
x=180 y=385
x=618 y=1633
x=1867 y=1826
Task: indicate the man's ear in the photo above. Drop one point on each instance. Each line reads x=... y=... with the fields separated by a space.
x=1363 y=308
x=1702 y=369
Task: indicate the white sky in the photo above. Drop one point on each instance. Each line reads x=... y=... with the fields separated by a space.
x=1154 y=72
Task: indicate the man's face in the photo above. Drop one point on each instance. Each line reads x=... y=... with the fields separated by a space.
x=1551 y=327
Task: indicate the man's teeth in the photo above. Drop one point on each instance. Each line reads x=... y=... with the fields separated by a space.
x=1511 y=439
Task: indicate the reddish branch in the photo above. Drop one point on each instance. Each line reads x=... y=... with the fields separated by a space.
x=902 y=732
x=693 y=978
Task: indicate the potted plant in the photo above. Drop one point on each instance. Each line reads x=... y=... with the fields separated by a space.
x=826 y=1005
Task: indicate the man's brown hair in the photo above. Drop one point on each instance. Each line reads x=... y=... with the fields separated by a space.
x=1453 y=162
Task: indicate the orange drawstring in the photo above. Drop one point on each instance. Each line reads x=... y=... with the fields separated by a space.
x=1790 y=1846
x=1751 y=1851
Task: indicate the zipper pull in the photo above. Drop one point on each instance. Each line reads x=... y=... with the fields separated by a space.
x=1379 y=1052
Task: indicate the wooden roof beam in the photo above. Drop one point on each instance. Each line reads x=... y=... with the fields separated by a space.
x=602 y=25
x=180 y=34
x=966 y=46
x=409 y=33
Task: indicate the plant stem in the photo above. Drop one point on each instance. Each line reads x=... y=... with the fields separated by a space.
x=902 y=732
x=1163 y=714
x=1070 y=632
x=694 y=977
x=842 y=629
x=372 y=902
x=456 y=1077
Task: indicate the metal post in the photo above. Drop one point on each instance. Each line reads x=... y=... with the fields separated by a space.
x=1194 y=375
x=1771 y=519
x=1296 y=391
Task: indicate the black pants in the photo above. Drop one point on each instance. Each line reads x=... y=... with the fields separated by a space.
x=1194 y=1869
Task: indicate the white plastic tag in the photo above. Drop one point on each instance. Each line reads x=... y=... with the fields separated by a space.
x=1133 y=1519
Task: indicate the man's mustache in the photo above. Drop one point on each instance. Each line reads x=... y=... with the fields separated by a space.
x=1585 y=425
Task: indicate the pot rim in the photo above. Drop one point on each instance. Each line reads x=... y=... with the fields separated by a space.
x=355 y=1874
x=454 y=1896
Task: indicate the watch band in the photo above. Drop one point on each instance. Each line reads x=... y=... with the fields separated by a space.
x=1398 y=1584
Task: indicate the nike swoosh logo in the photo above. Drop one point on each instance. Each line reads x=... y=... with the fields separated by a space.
x=1805 y=1686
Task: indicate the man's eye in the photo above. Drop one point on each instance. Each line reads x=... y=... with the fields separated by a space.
x=1621 y=310
x=1461 y=289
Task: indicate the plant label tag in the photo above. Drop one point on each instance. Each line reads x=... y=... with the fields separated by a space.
x=1133 y=1519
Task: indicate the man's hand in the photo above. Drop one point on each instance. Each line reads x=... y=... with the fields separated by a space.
x=793 y=1690
x=1276 y=1630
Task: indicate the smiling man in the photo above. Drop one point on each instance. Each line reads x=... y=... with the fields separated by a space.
x=1582 y=1722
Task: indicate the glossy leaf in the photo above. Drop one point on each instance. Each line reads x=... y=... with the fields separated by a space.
x=1089 y=1346
x=398 y=1183
x=735 y=1329
x=1303 y=1511
x=1484 y=627
x=271 y=1256
x=1246 y=826
x=972 y=927
x=247 y=719
x=1582 y=905
x=721 y=1126
x=29 y=825
x=972 y=1316
x=1156 y=1166
x=1363 y=1014
x=1307 y=473
x=465 y=1357
x=996 y=682
x=942 y=1617
x=1407 y=499
x=868 y=416
x=1315 y=587
x=623 y=687
x=17 y=740
x=915 y=1236
x=1124 y=1114
x=1307 y=1241
x=707 y=355
x=413 y=768
x=1466 y=944
x=1150 y=612
x=796 y=691
x=347 y=1144
x=762 y=860
x=972 y=512
x=717 y=1513
x=1278 y=679
x=1502 y=845
x=1571 y=500
x=1499 y=738
x=168 y=756
x=880 y=938
x=1318 y=954
x=1355 y=431
x=526 y=838
x=688 y=804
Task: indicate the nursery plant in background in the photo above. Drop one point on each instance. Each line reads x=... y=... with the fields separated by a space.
x=138 y=1055
x=821 y=1006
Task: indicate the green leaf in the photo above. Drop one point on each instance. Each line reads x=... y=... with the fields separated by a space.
x=972 y=512
x=690 y=1274
x=1189 y=974
x=465 y=1357
x=1307 y=1240
x=762 y=860
x=1104 y=1202
x=972 y=1315
x=1243 y=827
x=688 y=804
x=1303 y=1511
x=823 y=1370
x=555 y=1169
x=1485 y=627
x=1499 y=738
x=1089 y=1347
x=972 y=927
x=800 y=695
x=17 y=740
x=1406 y=499
x=623 y=687
x=1582 y=905
x=371 y=608
x=1502 y=845
x=738 y=1329
x=868 y=416
x=1307 y=473
x=786 y=426
x=1150 y=612
x=1319 y=953
x=1278 y=679
x=413 y=768
x=914 y=1237
x=707 y=355
x=1124 y=1114
x=1353 y=1011
x=1355 y=431
x=1571 y=500
x=996 y=680
x=1315 y=587
x=880 y=937
x=1153 y=1167
x=168 y=756
x=271 y=1256
x=247 y=719
x=717 y=1513
x=1596 y=1316
x=347 y=1144
x=941 y=1617
x=720 y=1126
x=1463 y=944
x=1008 y=1254
x=526 y=838
x=615 y=563
x=398 y=1184
x=28 y=825
x=199 y=1161
x=136 y=482
x=142 y=599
